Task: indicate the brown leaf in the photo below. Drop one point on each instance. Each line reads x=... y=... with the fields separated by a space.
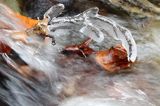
x=113 y=59
x=4 y=48
x=82 y=49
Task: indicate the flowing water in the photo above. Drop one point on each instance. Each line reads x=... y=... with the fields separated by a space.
x=39 y=75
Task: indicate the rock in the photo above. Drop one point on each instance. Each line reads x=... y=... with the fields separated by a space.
x=36 y=8
x=136 y=8
x=156 y=2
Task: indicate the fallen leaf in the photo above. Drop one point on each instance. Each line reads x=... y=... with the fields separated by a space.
x=82 y=49
x=33 y=27
x=4 y=48
x=28 y=22
x=114 y=59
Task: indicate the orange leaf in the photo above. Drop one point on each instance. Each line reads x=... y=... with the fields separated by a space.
x=28 y=22
x=113 y=59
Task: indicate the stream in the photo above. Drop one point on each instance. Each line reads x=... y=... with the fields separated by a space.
x=39 y=75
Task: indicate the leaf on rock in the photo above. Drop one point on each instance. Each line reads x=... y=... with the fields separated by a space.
x=114 y=59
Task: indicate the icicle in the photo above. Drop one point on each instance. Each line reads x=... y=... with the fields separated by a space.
x=93 y=25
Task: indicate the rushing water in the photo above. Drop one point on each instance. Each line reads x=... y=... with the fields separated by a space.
x=39 y=75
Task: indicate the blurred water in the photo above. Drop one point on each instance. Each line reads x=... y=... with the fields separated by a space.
x=55 y=79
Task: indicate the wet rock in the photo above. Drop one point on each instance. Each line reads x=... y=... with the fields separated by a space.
x=156 y=2
x=82 y=5
x=67 y=3
x=136 y=8
x=36 y=8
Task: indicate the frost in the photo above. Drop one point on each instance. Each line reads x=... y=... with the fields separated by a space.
x=95 y=26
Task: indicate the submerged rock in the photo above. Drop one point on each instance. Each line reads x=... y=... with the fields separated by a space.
x=136 y=8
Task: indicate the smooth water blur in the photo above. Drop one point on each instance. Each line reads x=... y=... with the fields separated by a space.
x=55 y=79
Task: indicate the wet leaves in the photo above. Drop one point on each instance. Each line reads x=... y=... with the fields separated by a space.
x=4 y=48
x=82 y=49
x=32 y=27
x=114 y=59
